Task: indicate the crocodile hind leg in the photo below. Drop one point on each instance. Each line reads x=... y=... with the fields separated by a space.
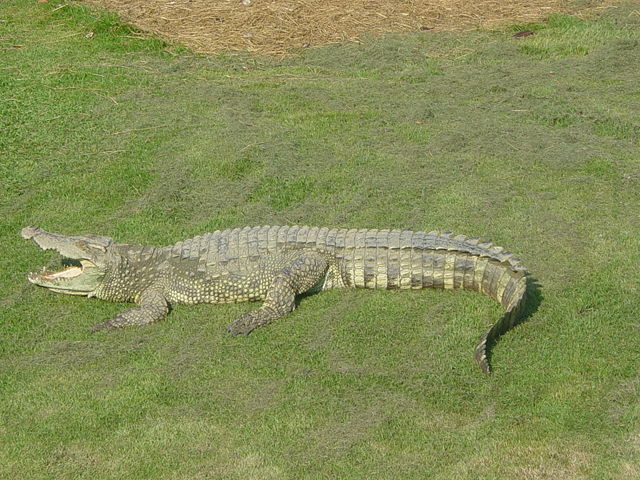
x=153 y=307
x=297 y=276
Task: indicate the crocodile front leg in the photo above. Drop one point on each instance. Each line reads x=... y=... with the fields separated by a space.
x=152 y=307
x=297 y=276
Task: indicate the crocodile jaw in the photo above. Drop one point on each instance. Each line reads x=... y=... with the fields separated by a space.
x=75 y=280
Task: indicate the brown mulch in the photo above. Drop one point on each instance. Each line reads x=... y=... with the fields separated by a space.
x=279 y=27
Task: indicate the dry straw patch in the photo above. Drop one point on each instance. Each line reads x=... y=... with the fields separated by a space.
x=278 y=27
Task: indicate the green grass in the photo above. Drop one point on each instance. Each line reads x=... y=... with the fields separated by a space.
x=532 y=142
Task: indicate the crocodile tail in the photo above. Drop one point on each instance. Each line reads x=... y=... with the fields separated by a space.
x=403 y=259
x=472 y=264
x=513 y=299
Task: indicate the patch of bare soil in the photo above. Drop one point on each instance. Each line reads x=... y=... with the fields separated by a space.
x=279 y=27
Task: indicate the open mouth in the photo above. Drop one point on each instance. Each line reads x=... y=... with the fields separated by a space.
x=75 y=269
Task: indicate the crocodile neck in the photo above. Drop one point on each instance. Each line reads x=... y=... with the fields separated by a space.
x=131 y=270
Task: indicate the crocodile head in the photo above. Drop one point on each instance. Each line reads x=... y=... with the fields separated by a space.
x=85 y=258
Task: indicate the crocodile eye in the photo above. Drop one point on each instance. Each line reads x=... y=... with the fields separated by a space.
x=86 y=245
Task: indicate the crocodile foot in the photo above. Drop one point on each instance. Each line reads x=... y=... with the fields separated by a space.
x=108 y=325
x=249 y=321
x=245 y=324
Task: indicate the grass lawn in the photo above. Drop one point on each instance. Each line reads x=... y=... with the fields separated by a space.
x=531 y=142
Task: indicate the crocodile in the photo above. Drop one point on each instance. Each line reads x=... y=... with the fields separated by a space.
x=274 y=264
